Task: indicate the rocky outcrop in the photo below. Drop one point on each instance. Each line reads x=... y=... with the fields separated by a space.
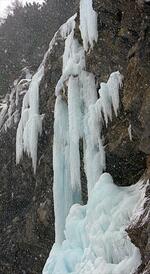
x=26 y=207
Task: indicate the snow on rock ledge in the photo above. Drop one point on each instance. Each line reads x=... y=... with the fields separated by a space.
x=96 y=241
x=10 y=105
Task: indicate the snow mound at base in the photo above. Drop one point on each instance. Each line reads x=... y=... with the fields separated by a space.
x=96 y=240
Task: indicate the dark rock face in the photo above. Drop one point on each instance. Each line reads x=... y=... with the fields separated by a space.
x=26 y=200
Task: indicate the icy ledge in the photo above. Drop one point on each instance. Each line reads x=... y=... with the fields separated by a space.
x=96 y=240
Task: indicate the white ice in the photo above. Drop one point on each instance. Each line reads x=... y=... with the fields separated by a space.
x=67 y=27
x=73 y=62
x=114 y=84
x=63 y=196
x=96 y=240
x=93 y=123
x=75 y=132
x=88 y=23
x=67 y=126
x=30 y=125
x=85 y=116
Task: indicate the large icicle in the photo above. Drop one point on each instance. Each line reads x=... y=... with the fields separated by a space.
x=64 y=192
x=114 y=83
x=67 y=186
x=75 y=132
x=94 y=155
x=62 y=187
x=73 y=64
x=109 y=96
x=30 y=125
x=93 y=149
x=88 y=23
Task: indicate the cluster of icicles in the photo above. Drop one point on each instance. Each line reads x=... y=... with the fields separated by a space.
x=80 y=112
x=89 y=239
x=80 y=116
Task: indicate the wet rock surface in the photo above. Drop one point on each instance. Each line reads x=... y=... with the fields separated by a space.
x=26 y=200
